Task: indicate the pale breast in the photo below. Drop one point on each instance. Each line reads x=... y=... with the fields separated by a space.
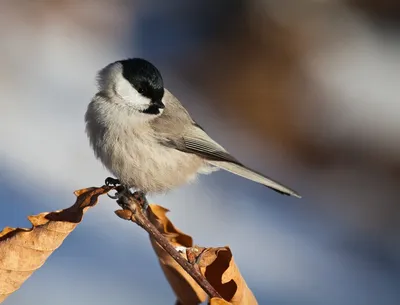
x=139 y=161
x=130 y=151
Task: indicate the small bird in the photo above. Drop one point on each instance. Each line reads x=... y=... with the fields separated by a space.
x=147 y=139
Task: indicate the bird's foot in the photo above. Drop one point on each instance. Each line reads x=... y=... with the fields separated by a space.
x=115 y=183
x=140 y=197
x=116 y=196
x=112 y=181
x=127 y=204
x=121 y=190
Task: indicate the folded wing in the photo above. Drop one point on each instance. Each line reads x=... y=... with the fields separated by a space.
x=196 y=141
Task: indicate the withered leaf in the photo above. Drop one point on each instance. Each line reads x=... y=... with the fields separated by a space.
x=23 y=250
x=186 y=289
x=218 y=301
x=216 y=264
x=219 y=268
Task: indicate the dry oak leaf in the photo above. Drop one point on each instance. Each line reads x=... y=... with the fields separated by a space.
x=218 y=301
x=219 y=268
x=23 y=250
x=187 y=291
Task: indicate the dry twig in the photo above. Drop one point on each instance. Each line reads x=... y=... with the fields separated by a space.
x=133 y=211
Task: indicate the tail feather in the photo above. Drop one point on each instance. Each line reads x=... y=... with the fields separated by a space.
x=247 y=173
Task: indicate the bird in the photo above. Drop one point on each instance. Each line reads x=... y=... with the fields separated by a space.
x=146 y=138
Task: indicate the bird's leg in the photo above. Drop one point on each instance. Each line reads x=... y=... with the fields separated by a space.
x=120 y=191
x=124 y=190
x=112 y=181
x=123 y=200
x=141 y=198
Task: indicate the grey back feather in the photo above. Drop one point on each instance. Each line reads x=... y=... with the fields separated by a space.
x=176 y=129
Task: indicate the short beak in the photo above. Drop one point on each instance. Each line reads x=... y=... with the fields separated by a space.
x=159 y=104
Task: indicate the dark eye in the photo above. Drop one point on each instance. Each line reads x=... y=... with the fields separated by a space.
x=140 y=89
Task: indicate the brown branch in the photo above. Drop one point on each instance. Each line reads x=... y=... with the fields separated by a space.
x=133 y=211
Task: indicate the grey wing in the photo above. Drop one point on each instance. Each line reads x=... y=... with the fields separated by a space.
x=196 y=141
x=177 y=130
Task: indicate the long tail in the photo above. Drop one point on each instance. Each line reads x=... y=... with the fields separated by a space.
x=250 y=174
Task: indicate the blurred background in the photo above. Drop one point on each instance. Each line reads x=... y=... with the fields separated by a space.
x=304 y=91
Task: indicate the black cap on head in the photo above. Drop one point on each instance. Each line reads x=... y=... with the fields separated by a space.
x=144 y=77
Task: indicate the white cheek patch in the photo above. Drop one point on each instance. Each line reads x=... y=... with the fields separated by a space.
x=164 y=100
x=129 y=94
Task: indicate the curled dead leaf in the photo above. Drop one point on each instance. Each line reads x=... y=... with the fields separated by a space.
x=219 y=268
x=216 y=264
x=187 y=291
x=23 y=250
x=124 y=214
x=218 y=301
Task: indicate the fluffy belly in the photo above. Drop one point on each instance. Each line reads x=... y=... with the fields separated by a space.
x=151 y=168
